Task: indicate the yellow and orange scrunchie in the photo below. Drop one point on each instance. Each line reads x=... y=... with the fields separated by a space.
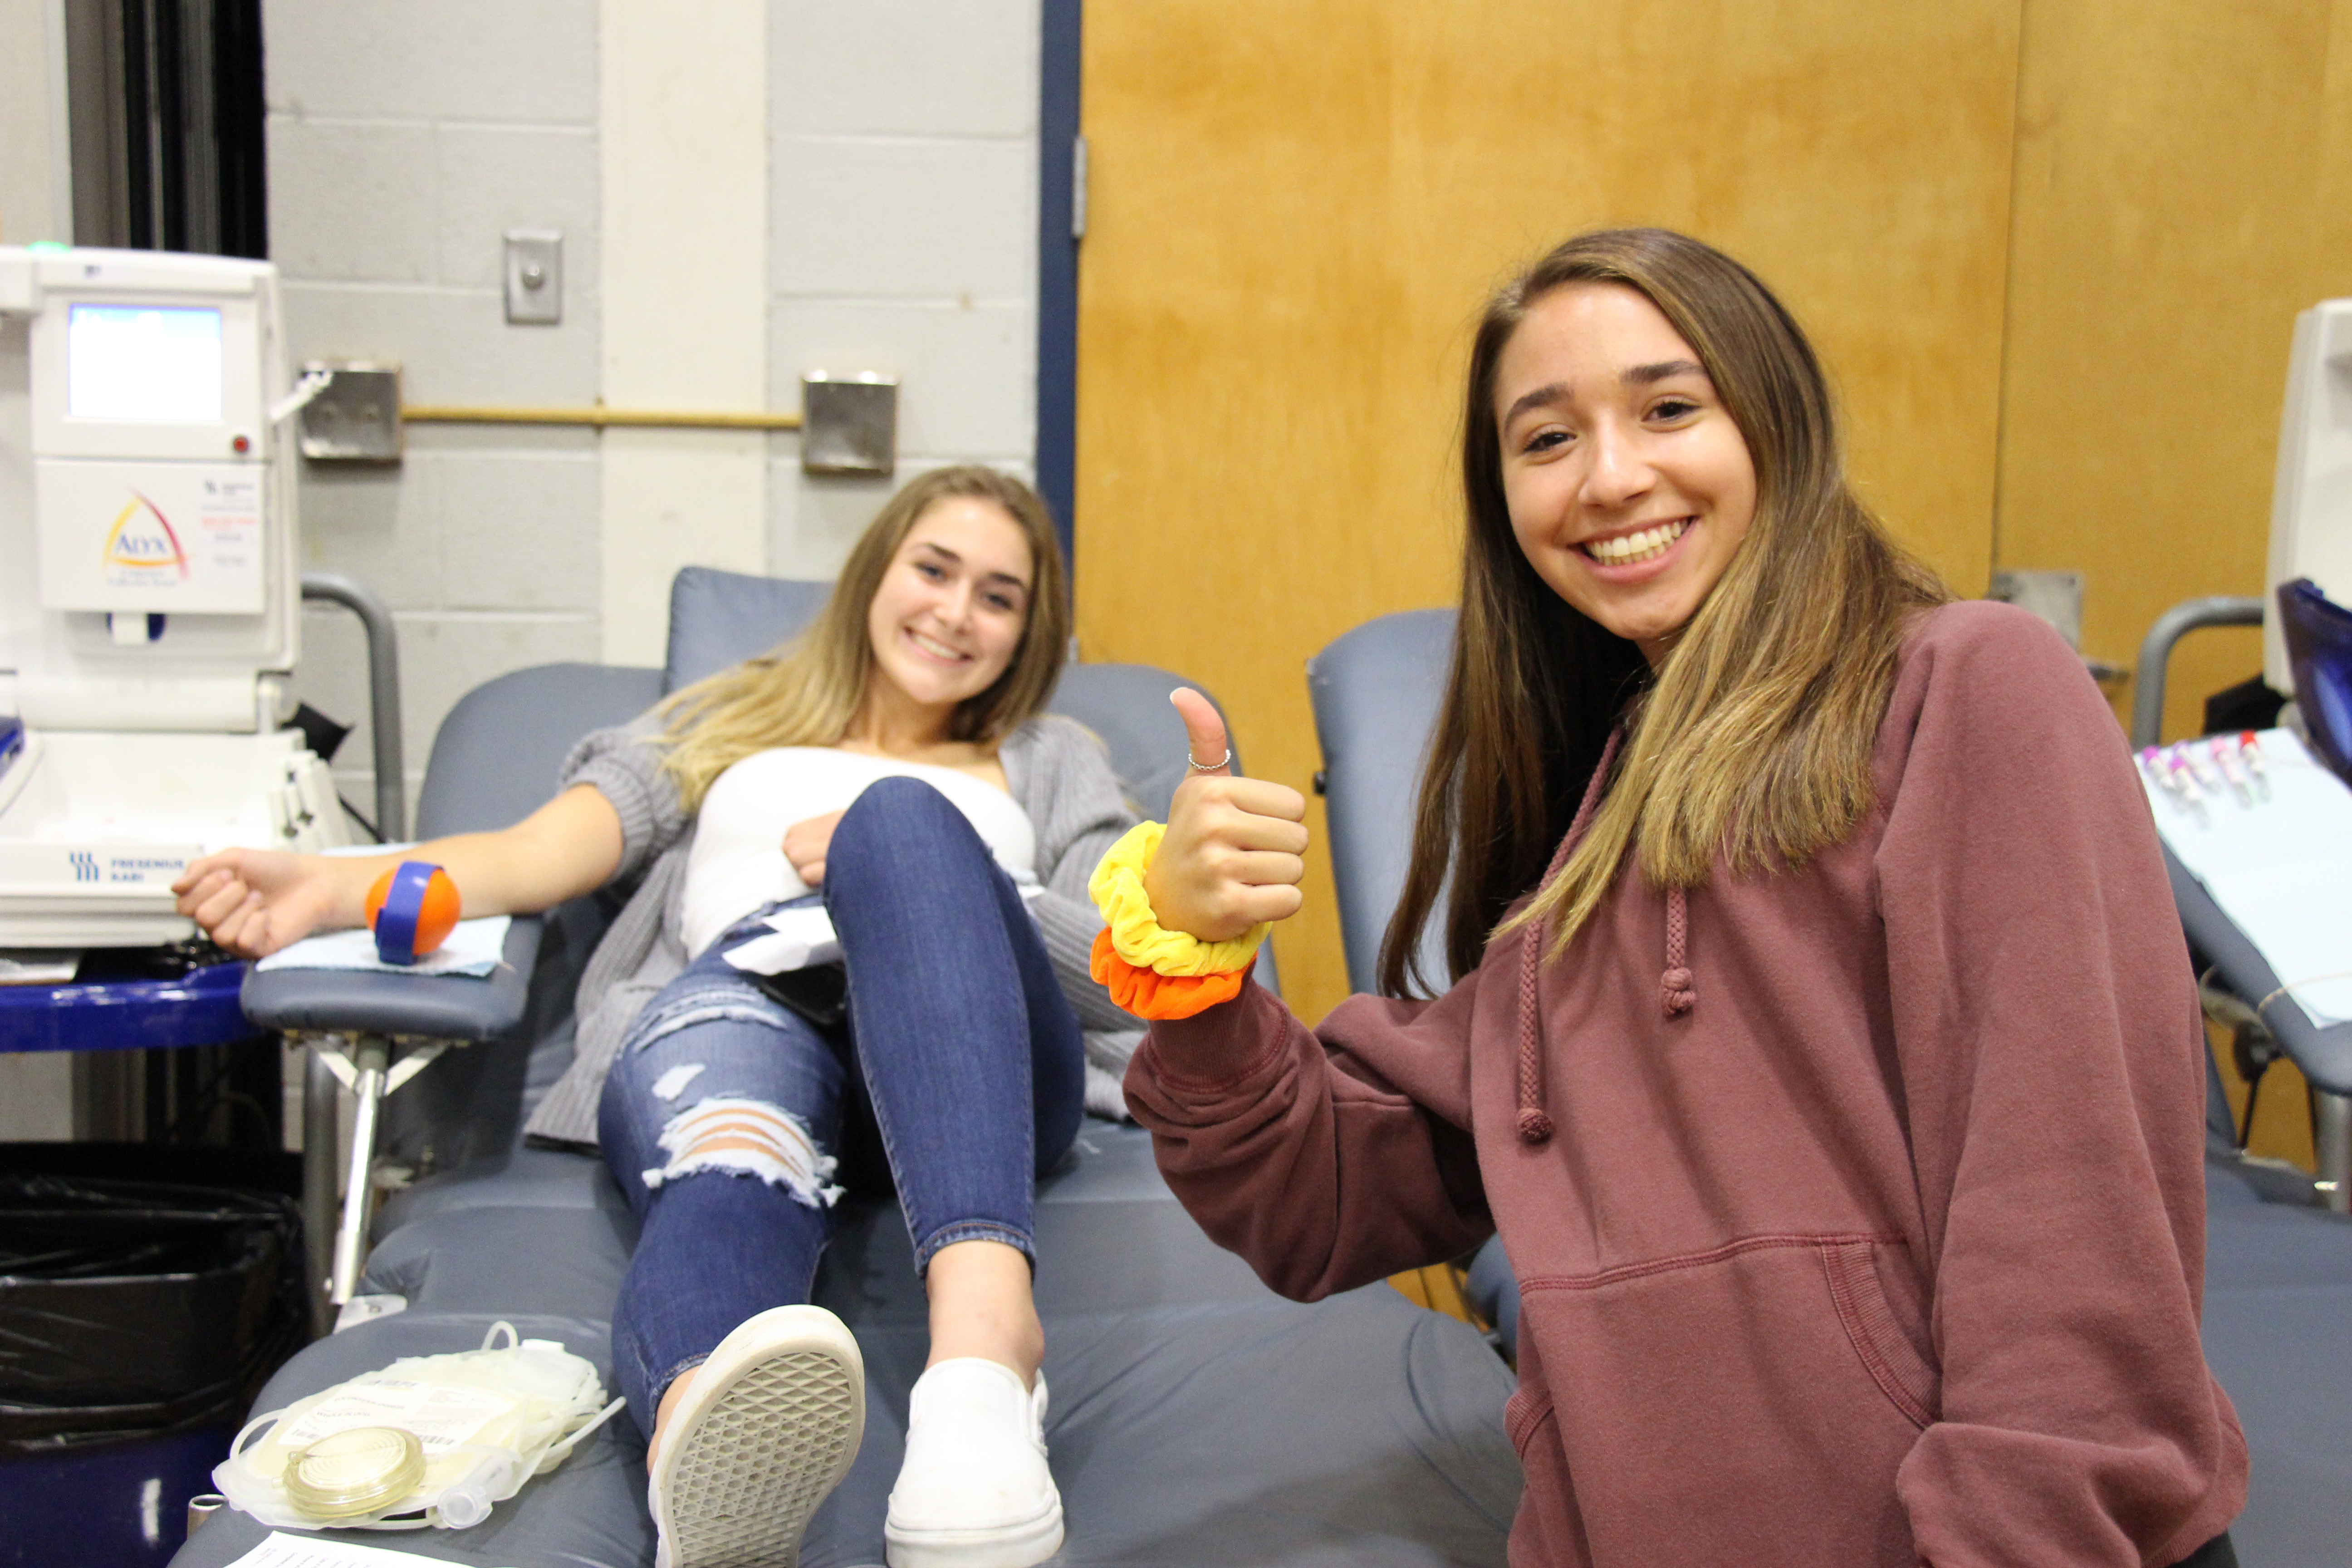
x=1151 y=972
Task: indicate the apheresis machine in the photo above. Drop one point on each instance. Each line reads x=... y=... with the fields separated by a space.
x=150 y=590
x=2311 y=505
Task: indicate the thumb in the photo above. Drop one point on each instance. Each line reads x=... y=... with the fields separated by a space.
x=1203 y=730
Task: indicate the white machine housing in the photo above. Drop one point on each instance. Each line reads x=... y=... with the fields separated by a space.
x=150 y=589
x=2311 y=501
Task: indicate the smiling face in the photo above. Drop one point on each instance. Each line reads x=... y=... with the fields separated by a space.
x=1629 y=487
x=947 y=617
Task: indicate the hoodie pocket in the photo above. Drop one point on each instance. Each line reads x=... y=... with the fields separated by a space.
x=1886 y=1352
x=1751 y=1404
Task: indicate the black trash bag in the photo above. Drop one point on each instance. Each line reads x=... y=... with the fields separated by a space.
x=140 y=1310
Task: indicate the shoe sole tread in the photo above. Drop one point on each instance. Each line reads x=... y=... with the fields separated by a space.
x=761 y=1460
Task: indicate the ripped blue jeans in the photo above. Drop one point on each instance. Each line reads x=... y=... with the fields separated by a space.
x=960 y=1050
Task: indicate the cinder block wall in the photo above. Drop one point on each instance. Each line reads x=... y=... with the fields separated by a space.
x=403 y=141
x=903 y=220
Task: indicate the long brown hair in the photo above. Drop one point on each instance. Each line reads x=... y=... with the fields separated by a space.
x=809 y=690
x=1753 y=744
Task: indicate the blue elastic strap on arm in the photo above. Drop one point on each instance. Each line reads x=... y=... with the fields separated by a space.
x=404 y=901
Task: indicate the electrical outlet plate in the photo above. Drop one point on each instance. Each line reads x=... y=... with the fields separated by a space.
x=356 y=418
x=849 y=423
x=535 y=275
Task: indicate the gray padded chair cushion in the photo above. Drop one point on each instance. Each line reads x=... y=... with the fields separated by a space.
x=1376 y=692
x=718 y=619
x=1372 y=1430
x=500 y=753
x=517 y=1178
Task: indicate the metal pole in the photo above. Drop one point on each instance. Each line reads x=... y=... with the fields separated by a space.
x=2331 y=1119
x=2156 y=653
x=318 y=1182
x=384 y=693
x=350 y=1238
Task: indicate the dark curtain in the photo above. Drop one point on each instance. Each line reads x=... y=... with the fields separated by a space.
x=167 y=113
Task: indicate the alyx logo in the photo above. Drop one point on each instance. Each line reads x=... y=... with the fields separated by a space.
x=85 y=865
x=143 y=541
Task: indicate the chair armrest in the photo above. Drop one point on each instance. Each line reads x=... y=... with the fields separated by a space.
x=428 y=1007
x=2324 y=1055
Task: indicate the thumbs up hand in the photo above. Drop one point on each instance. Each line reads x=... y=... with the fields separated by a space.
x=1231 y=856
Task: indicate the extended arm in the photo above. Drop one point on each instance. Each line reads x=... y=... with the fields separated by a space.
x=254 y=901
x=1326 y=1158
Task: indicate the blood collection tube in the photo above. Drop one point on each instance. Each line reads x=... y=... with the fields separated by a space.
x=2152 y=763
x=2185 y=777
x=2224 y=749
x=2250 y=747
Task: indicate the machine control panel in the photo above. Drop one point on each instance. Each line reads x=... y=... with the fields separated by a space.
x=151 y=436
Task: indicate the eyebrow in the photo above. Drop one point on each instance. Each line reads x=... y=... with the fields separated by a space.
x=1665 y=370
x=942 y=552
x=1634 y=375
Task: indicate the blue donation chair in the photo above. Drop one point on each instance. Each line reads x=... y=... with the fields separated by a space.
x=1197 y=1418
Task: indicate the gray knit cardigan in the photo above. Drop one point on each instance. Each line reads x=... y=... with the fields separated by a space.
x=1059 y=774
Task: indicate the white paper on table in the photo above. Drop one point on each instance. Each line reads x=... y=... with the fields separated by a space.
x=472 y=948
x=279 y=1550
x=800 y=936
x=2281 y=869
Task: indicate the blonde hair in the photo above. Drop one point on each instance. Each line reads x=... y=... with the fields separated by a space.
x=810 y=690
x=1754 y=744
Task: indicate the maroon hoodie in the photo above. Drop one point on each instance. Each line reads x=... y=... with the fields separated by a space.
x=1858 y=1212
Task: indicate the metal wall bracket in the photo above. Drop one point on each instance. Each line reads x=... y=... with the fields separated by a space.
x=849 y=425
x=2055 y=597
x=355 y=416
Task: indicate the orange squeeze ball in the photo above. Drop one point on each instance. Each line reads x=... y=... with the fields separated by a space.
x=412 y=908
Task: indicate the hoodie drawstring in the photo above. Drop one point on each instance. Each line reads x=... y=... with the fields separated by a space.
x=1677 y=988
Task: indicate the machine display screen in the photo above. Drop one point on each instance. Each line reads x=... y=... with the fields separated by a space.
x=153 y=363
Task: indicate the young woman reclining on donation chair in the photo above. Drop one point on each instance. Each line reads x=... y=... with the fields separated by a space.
x=894 y=760
x=1820 y=1038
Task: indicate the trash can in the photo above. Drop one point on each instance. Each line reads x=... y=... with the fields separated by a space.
x=138 y=1320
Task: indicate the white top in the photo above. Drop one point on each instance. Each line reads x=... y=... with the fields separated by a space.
x=736 y=863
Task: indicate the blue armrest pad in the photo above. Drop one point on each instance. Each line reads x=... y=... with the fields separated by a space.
x=2324 y=1055
x=432 y=1007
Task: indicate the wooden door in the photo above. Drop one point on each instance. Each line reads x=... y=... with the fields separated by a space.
x=1296 y=211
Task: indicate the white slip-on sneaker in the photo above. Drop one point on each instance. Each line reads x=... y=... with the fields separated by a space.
x=768 y=1427
x=974 y=1491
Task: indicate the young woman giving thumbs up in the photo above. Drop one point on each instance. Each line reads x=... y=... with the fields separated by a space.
x=1818 y=1036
